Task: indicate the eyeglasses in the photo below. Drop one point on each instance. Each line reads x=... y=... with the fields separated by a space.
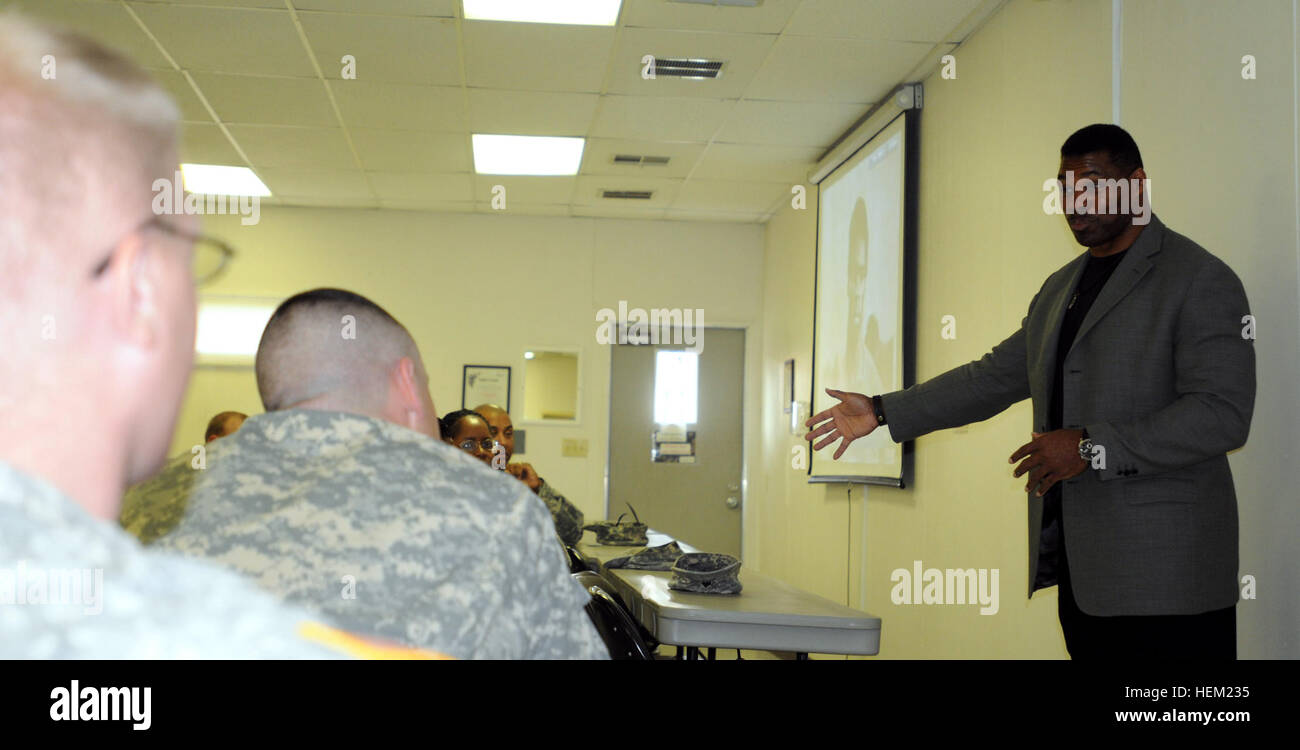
x=487 y=444
x=211 y=255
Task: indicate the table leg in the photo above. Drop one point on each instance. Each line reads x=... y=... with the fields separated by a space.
x=713 y=654
x=801 y=656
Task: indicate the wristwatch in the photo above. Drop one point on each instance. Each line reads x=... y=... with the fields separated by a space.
x=879 y=410
x=1085 y=447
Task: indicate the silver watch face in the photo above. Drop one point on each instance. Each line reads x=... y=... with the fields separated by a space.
x=1085 y=449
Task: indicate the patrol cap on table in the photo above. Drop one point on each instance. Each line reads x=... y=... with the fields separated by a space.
x=618 y=532
x=706 y=573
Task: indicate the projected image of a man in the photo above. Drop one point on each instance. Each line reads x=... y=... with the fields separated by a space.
x=867 y=357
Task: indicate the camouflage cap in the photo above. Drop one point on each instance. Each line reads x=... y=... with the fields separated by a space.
x=618 y=532
x=706 y=573
x=650 y=558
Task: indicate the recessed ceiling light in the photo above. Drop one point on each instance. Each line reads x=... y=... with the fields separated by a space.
x=212 y=179
x=576 y=12
x=527 y=154
x=230 y=330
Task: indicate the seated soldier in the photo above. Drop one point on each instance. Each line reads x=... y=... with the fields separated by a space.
x=343 y=499
x=468 y=431
x=568 y=519
x=97 y=303
x=223 y=424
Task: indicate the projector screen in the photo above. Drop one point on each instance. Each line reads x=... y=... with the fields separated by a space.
x=859 y=328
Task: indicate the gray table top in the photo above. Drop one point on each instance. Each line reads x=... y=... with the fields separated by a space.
x=768 y=614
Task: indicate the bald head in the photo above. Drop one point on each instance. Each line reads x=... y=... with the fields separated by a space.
x=334 y=349
x=499 y=425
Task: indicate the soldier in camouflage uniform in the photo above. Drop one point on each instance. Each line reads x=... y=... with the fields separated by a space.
x=568 y=519
x=97 y=304
x=369 y=519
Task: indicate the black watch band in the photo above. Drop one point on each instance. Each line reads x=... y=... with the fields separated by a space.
x=879 y=409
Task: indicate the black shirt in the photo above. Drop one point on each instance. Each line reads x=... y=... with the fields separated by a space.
x=1095 y=274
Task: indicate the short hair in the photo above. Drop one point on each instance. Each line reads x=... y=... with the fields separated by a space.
x=1112 y=140
x=217 y=425
x=448 y=423
x=101 y=124
x=329 y=341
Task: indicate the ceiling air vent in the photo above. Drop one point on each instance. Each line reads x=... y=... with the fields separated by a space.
x=682 y=67
x=652 y=161
x=636 y=195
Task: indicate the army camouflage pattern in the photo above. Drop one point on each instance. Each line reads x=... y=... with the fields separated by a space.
x=568 y=519
x=151 y=605
x=379 y=528
x=650 y=558
x=706 y=573
x=619 y=532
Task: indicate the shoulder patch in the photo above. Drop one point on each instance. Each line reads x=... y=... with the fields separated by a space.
x=358 y=647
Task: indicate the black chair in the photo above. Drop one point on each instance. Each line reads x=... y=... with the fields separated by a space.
x=620 y=632
x=576 y=563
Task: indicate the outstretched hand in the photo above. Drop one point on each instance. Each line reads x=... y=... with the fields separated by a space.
x=850 y=419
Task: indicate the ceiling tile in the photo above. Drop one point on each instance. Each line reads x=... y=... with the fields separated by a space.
x=835 y=70
x=280 y=146
x=538 y=57
x=227 y=40
x=531 y=112
x=653 y=118
x=741 y=54
x=206 y=144
x=598 y=158
x=387 y=49
x=441 y=8
x=729 y=195
x=391 y=106
x=789 y=123
x=326 y=183
x=521 y=189
x=407 y=151
x=723 y=161
x=108 y=23
x=415 y=187
x=911 y=21
x=255 y=100
x=192 y=110
x=768 y=18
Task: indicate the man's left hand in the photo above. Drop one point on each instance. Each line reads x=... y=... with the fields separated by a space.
x=526 y=474
x=1050 y=457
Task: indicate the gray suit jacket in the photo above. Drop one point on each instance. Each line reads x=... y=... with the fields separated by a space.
x=1162 y=376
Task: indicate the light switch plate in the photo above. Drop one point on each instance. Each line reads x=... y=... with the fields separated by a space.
x=574 y=448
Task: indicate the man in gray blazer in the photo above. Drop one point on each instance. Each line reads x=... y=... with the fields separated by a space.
x=1139 y=358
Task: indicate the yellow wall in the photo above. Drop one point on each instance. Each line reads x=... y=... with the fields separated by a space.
x=1032 y=75
x=483 y=288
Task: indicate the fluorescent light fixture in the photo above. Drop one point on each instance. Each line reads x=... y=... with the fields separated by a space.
x=213 y=179
x=228 y=333
x=527 y=154
x=575 y=12
x=677 y=387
